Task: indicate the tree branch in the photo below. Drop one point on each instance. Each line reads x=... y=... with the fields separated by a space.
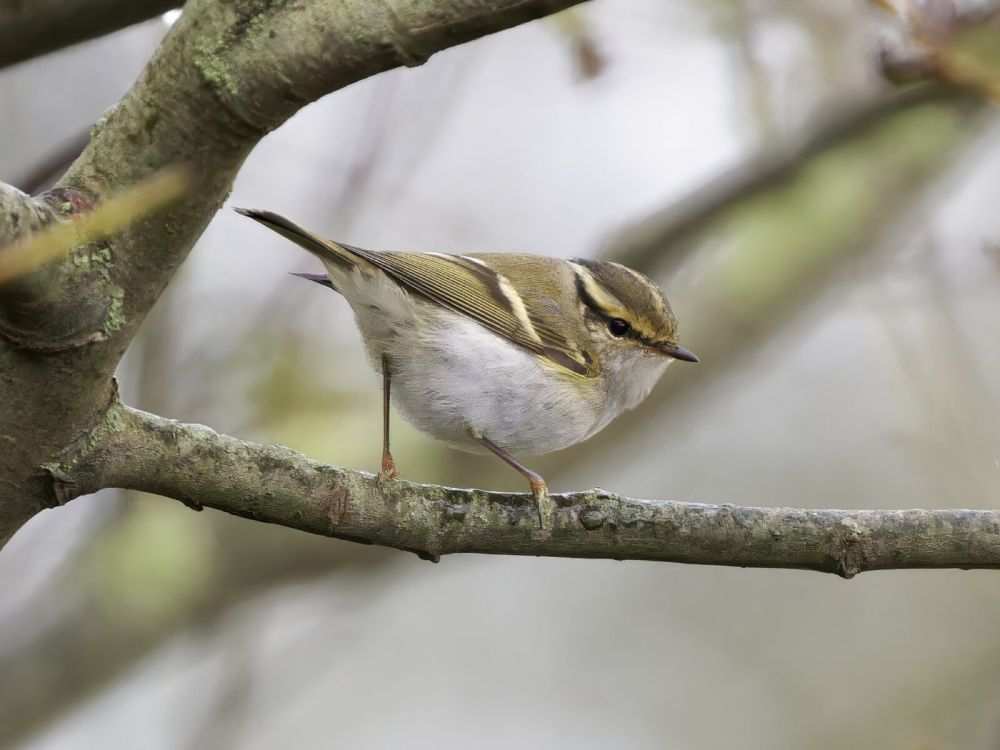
x=33 y=28
x=191 y=463
x=226 y=74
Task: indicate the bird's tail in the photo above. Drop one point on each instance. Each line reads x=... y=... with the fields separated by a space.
x=326 y=250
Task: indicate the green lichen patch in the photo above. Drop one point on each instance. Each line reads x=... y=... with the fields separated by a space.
x=114 y=421
x=213 y=65
x=115 y=319
x=259 y=32
x=98 y=258
x=92 y=256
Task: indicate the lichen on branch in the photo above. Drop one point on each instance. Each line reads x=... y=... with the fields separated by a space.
x=202 y=468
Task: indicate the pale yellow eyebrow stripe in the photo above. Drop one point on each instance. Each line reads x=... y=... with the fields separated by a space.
x=602 y=296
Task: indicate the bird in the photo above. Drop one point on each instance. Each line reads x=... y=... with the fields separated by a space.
x=503 y=353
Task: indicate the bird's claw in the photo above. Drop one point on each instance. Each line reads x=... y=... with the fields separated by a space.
x=388 y=470
x=539 y=492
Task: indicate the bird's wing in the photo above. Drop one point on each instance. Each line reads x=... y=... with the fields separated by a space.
x=470 y=285
x=473 y=285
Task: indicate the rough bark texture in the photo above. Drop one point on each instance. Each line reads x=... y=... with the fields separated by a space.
x=196 y=465
x=29 y=28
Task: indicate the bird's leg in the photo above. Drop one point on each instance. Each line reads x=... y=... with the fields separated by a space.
x=389 y=470
x=539 y=490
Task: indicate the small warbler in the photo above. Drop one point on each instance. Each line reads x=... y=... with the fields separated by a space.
x=500 y=352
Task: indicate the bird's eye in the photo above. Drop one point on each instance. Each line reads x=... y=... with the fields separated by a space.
x=618 y=327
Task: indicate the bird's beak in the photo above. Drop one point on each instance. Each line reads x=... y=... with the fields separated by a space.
x=679 y=352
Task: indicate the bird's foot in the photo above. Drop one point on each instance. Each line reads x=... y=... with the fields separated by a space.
x=389 y=470
x=539 y=491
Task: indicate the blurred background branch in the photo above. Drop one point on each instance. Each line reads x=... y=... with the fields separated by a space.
x=33 y=28
x=52 y=165
x=108 y=621
x=655 y=243
x=954 y=42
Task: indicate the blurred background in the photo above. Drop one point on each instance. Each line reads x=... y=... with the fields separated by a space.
x=831 y=246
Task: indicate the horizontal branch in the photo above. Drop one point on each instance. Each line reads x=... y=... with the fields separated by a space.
x=33 y=28
x=191 y=463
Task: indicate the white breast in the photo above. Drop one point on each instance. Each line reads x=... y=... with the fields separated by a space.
x=450 y=375
x=473 y=378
